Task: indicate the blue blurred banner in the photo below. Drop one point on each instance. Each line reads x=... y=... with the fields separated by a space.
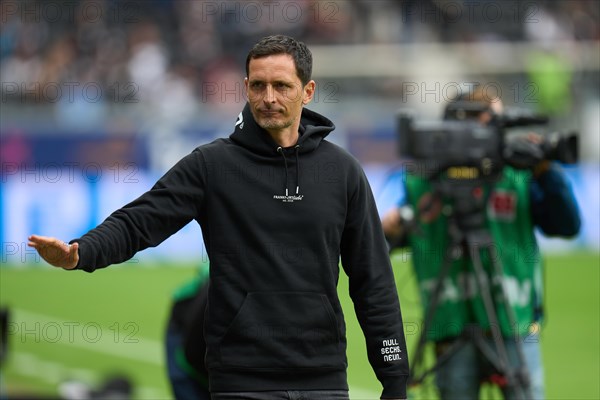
x=67 y=201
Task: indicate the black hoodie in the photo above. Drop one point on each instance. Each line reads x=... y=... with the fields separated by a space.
x=275 y=222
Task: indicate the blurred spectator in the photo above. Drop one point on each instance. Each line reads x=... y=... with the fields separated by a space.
x=113 y=43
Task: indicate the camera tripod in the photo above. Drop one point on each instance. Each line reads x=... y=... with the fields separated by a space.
x=468 y=237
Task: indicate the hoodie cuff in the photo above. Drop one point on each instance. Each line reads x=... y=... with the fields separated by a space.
x=394 y=387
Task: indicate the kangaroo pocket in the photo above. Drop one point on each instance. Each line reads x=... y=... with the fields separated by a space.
x=283 y=330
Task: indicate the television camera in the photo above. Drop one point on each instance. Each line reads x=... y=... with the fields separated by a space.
x=466 y=148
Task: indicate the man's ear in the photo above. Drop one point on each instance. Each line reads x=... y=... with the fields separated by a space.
x=246 y=93
x=308 y=92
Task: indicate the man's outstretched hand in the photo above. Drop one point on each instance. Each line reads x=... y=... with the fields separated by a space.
x=55 y=252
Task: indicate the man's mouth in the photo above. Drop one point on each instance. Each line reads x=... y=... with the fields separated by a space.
x=269 y=113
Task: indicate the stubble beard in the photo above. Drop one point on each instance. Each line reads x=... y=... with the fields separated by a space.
x=273 y=124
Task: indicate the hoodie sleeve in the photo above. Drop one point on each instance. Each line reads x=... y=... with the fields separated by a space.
x=373 y=290
x=167 y=207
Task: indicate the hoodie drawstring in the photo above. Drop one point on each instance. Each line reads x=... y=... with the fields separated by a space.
x=281 y=151
x=297 y=148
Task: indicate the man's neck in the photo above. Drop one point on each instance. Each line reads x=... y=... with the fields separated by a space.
x=287 y=137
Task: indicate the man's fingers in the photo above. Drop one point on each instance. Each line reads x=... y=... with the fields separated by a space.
x=36 y=240
x=41 y=242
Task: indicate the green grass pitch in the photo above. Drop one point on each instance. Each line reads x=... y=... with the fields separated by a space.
x=74 y=325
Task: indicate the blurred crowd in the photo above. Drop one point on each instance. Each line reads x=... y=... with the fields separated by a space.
x=124 y=51
x=154 y=69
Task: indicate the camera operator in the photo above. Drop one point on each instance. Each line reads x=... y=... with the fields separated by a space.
x=515 y=203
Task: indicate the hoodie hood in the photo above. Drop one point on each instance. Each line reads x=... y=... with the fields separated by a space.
x=313 y=129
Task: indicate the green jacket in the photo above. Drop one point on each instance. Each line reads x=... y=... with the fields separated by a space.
x=506 y=206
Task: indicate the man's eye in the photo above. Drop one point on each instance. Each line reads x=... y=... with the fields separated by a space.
x=257 y=85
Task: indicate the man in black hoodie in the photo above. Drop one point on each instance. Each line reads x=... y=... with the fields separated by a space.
x=278 y=206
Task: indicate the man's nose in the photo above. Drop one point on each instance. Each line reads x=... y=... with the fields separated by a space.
x=269 y=95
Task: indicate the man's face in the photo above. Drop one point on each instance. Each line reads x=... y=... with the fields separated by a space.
x=275 y=93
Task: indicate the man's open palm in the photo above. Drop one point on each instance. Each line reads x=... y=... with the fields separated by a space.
x=55 y=252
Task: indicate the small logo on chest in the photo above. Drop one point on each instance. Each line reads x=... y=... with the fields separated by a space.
x=287 y=198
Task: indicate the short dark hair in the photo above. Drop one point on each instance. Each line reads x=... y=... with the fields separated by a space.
x=281 y=44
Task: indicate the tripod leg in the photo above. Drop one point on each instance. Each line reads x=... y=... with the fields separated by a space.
x=522 y=374
x=415 y=377
x=517 y=380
